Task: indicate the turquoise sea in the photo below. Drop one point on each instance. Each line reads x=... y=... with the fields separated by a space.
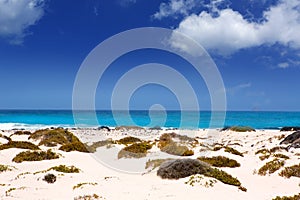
x=10 y=119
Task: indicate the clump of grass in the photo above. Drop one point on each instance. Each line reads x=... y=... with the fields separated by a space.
x=167 y=145
x=74 y=146
x=228 y=150
x=66 y=169
x=198 y=179
x=126 y=128
x=21 y=133
x=87 y=197
x=128 y=140
x=19 y=145
x=155 y=163
x=271 y=167
x=291 y=171
x=223 y=177
x=275 y=149
x=4 y=168
x=35 y=156
x=264 y=157
x=220 y=161
x=242 y=188
x=50 y=178
x=279 y=155
x=241 y=129
x=5 y=137
x=79 y=185
x=53 y=137
x=7 y=193
x=263 y=151
x=136 y=150
x=93 y=147
x=295 y=197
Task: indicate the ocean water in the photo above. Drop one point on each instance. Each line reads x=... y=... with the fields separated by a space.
x=13 y=119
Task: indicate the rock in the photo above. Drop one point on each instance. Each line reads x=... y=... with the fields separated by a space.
x=104 y=128
x=156 y=128
x=291 y=138
x=181 y=168
x=290 y=128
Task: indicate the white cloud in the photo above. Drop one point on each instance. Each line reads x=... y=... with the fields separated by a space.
x=230 y=31
x=283 y=65
x=175 y=7
x=17 y=15
x=238 y=88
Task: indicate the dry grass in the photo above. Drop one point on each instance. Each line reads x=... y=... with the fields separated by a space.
x=271 y=167
x=35 y=156
x=291 y=171
x=220 y=161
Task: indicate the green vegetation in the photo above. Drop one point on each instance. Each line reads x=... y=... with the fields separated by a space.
x=5 y=137
x=136 y=150
x=268 y=153
x=220 y=161
x=53 y=137
x=262 y=151
x=49 y=178
x=88 y=197
x=7 y=193
x=4 y=168
x=228 y=150
x=271 y=167
x=65 y=169
x=21 y=133
x=242 y=188
x=279 y=155
x=295 y=197
x=291 y=171
x=198 y=179
x=223 y=177
x=167 y=145
x=155 y=163
x=74 y=146
x=93 y=147
x=19 y=145
x=35 y=156
x=79 y=185
x=128 y=140
x=239 y=128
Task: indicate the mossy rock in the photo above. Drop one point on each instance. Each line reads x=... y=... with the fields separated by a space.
x=220 y=161
x=35 y=156
x=136 y=150
x=19 y=145
x=291 y=171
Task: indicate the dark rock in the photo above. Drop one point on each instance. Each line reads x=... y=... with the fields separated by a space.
x=155 y=128
x=291 y=138
x=181 y=168
x=290 y=128
x=104 y=128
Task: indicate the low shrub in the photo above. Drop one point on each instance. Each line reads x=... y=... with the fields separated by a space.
x=136 y=150
x=35 y=156
x=21 y=133
x=291 y=171
x=128 y=140
x=4 y=168
x=19 y=145
x=5 y=137
x=223 y=177
x=279 y=155
x=65 y=169
x=295 y=197
x=271 y=167
x=50 y=178
x=241 y=129
x=93 y=147
x=177 y=149
x=155 y=163
x=79 y=185
x=87 y=197
x=220 y=161
x=233 y=151
x=74 y=146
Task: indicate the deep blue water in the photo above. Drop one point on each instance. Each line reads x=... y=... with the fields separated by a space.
x=259 y=120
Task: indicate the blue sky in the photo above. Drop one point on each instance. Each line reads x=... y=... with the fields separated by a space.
x=254 y=43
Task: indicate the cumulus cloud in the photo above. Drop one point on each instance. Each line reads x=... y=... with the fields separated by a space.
x=229 y=31
x=17 y=15
x=175 y=7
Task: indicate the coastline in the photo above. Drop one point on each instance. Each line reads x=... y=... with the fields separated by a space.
x=105 y=176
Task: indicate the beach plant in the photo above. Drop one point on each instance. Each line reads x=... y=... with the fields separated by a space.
x=136 y=150
x=222 y=176
x=65 y=169
x=93 y=147
x=88 y=197
x=50 y=178
x=228 y=150
x=128 y=140
x=5 y=137
x=291 y=171
x=220 y=161
x=279 y=155
x=4 y=168
x=239 y=129
x=127 y=128
x=199 y=179
x=295 y=197
x=21 y=133
x=19 y=145
x=271 y=167
x=155 y=163
x=79 y=185
x=35 y=156
x=74 y=146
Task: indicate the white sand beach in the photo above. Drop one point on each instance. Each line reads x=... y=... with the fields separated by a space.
x=103 y=176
